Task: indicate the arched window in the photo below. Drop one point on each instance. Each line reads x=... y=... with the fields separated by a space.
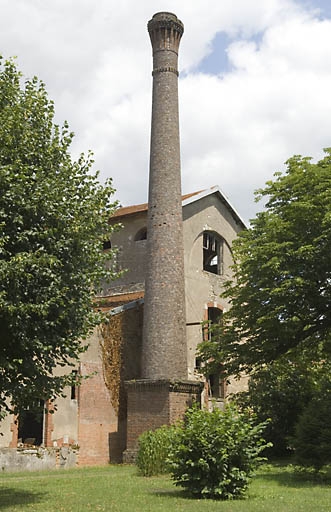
x=212 y=253
x=141 y=235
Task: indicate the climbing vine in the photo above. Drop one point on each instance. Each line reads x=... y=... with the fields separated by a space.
x=111 y=349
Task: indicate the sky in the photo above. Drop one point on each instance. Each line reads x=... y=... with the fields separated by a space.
x=254 y=86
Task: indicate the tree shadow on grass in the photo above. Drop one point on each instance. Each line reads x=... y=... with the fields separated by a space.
x=295 y=477
x=171 y=493
x=10 y=497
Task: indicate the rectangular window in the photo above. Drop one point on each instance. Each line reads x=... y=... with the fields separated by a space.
x=212 y=253
x=73 y=394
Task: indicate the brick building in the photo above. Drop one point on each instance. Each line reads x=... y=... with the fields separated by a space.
x=94 y=415
x=143 y=369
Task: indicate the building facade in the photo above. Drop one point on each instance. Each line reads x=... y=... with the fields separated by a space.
x=92 y=418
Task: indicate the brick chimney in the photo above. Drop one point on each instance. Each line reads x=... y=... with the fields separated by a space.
x=164 y=337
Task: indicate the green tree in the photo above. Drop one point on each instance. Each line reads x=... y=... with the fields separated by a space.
x=280 y=392
x=281 y=292
x=53 y=218
x=312 y=436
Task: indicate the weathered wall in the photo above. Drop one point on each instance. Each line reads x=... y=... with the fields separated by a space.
x=131 y=255
x=204 y=288
x=65 y=427
x=7 y=426
x=14 y=460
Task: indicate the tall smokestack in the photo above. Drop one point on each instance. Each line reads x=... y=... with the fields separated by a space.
x=163 y=394
x=164 y=338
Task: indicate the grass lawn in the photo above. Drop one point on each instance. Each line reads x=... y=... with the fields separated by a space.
x=119 y=488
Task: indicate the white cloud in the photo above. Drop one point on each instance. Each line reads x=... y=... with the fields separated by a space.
x=236 y=128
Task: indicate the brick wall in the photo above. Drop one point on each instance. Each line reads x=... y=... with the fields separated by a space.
x=152 y=404
x=97 y=419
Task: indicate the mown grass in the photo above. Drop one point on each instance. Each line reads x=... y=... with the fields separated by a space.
x=119 y=488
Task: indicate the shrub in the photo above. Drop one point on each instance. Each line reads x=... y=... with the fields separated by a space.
x=216 y=452
x=312 y=440
x=153 y=450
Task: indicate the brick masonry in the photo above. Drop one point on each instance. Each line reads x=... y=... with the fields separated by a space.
x=97 y=419
x=164 y=336
x=153 y=403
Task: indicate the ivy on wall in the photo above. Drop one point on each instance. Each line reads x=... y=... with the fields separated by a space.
x=111 y=350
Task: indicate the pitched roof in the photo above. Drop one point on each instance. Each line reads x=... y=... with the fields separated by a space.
x=129 y=210
x=186 y=199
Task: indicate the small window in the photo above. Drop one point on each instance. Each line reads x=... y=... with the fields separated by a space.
x=212 y=253
x=214 y=317
x=141 y=235
x=73 y=393
x=106 y=245
x=217 y=386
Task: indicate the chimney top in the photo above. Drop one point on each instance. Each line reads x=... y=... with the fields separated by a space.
x=165 y=31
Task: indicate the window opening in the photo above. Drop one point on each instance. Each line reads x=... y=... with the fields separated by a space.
x=217 y=385
x=214 y=317
x=73 y=394
x=212 y=253
x=31 y=423
x=141 y=235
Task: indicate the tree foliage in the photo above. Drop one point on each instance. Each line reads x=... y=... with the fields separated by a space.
x=53 y=218
x=312 y=437
x=280 y=392
x=281 y=292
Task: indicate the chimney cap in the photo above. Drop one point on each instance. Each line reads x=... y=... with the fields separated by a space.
x=165 y=19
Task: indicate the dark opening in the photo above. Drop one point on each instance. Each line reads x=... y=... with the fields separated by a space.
x=141 y=235
x=106 y=245
x=30 y=424
x=214 y=317
x=73 y=394
x=212 y=253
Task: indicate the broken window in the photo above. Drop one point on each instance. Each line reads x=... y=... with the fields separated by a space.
x=216 y=383
x=214 y=316
x=212 y=253
x=217 y=386
x=31 y=423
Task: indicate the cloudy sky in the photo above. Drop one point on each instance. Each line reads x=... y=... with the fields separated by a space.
x=254 y=86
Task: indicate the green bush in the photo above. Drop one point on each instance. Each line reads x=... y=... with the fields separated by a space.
x=312 y=440
x=153 y=450
x=216 y=452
